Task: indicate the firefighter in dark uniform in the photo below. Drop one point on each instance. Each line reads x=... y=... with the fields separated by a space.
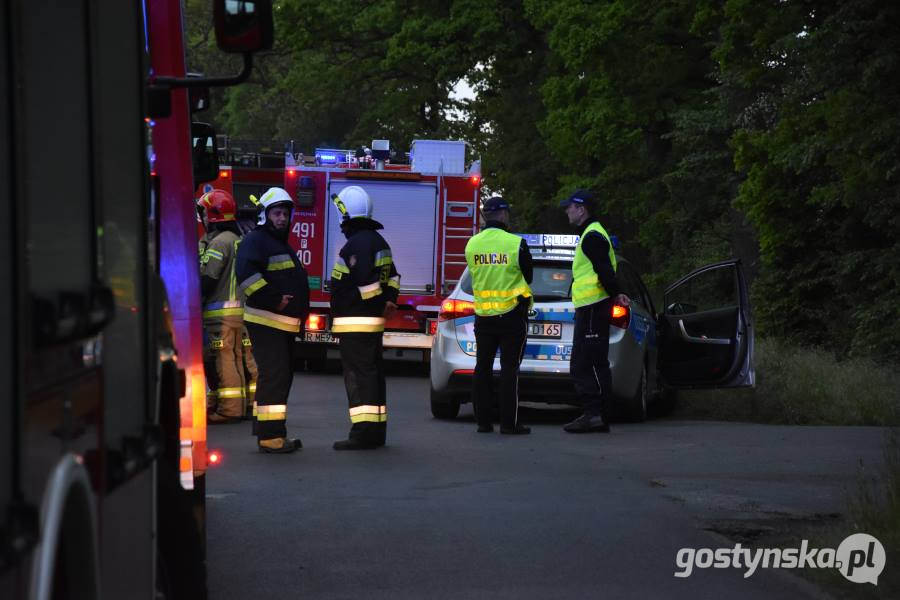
x=364 y=289
x=276 y=292
x=595 y=289
x=501 y=269
x=223 y=321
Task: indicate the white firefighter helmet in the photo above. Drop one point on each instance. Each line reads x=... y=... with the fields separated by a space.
x=353 y=202
x=272 y=197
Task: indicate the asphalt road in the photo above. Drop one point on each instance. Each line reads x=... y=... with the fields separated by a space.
x=445 y=512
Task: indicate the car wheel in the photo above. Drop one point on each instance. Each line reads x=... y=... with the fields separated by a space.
x=637 y=407
x=444 y=406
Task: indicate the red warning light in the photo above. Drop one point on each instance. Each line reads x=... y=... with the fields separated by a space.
x=224 y=173
x=214 y=457
x=475 y=179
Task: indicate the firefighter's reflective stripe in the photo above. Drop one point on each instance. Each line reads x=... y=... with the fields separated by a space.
x=357 y=324
x=270 y=319
x=230 y=392
x=213 y=253
x=252 y=284
x=369 y=291
x=271 y=412
x=339 y=269
x=368 y=414
x=280 y=262
x=246 y=341
x=383 y=258
x=186 y=464
x=394 y=282
x=228 y=308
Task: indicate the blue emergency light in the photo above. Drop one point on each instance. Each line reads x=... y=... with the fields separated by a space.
x=329 y=156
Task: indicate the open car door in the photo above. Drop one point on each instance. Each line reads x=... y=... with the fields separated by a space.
x=706 y=330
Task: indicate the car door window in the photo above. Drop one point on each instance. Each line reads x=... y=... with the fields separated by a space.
x=711 y=290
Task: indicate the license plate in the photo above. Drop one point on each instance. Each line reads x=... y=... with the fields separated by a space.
x=544 y=329
x=319 y=336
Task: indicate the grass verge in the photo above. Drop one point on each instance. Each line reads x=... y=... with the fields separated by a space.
x=802 y=386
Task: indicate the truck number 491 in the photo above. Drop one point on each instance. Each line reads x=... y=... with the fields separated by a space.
x=304 y=230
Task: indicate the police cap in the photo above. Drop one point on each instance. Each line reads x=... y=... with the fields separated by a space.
x=495 y=203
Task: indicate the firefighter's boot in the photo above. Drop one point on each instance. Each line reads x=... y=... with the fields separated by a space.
x=279 y=445
x=355 y=444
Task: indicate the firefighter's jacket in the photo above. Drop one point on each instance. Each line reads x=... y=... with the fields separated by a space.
x=363 y=280
x=217 y=262
x=267 y=269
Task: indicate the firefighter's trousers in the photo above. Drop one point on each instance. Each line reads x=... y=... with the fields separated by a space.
x=223 y=361
x=506 y=332
x=589 y=363
x=272 y=350
x=363 y=362
x=250 y=374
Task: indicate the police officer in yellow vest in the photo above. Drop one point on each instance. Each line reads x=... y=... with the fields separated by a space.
x=594 y=290
x=500 y=266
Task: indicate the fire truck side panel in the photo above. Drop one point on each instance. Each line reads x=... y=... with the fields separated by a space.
x=427 y=221
x=10 y=357
x=76 y=180
x=82 y=355
x=129 y=359
x=307 y=236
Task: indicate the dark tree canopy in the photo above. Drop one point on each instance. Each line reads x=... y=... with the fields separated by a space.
x=766 y=130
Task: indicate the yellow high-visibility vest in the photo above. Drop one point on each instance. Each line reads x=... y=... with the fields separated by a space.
x=586 y=286
x=497 y=280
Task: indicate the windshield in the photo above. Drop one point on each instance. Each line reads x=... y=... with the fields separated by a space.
x=552 y=282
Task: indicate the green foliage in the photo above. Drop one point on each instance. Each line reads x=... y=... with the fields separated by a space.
x=797 y=385
x=766 y=130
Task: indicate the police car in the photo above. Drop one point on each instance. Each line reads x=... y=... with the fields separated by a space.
x=702 y=339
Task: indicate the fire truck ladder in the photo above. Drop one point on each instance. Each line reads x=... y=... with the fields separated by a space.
x=454 y=209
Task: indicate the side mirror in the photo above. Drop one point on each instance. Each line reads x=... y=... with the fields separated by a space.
x=205 y=153
x=243 y=25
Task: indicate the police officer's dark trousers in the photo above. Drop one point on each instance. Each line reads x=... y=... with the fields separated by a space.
x=589 y=363
x=506 y=332
x=272 y=351
x=362 y=356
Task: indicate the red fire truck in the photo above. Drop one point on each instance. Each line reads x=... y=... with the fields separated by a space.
x=429 y=209
x=103 y=434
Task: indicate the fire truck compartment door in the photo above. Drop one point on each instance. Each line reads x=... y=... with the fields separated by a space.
x=409 y=214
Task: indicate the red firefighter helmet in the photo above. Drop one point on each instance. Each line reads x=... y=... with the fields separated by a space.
x=219 y=206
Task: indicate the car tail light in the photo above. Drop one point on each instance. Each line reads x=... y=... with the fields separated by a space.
x=315 y=322
x=455 y=309
x=620 y=316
